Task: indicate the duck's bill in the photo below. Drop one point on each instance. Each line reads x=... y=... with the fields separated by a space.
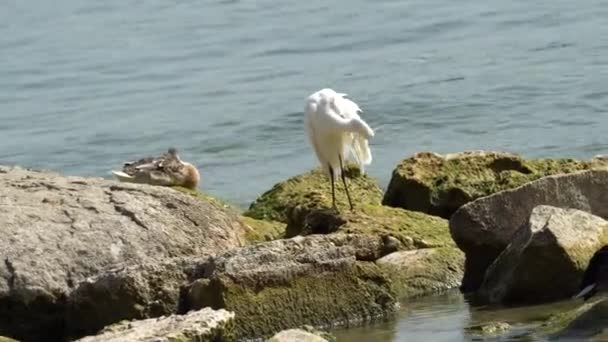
x=584 y=291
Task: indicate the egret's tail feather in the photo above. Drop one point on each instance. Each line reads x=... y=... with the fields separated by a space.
x=359 y=148
x=123 y=177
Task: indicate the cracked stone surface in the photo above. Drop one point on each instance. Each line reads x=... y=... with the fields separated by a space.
x=57 y=231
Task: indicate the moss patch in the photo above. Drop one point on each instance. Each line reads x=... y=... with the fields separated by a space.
x=353 y=295
x=412 y=229
x=439 y=185
x=291 y=200
x=424 y=271
x=203 y=196
x=262 y=230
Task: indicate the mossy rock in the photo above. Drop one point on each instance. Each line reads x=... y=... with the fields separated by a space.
x=412 y=229
x=588 y=322
x=262 y=230
x=439 y=185
x=488 y=329
x=350 y=297
x=424 y=271
x=204 y=196
x=291 y=200
x=319 y=280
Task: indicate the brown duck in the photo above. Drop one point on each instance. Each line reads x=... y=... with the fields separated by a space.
x=165 y=170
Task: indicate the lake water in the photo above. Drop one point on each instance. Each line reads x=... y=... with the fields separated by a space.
x=85 y=85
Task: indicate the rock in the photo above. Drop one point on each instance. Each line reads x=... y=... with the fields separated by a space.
x=408 y=229
x=128 y=293
x=296 y=335
x=439 y=185
x=203 y=325
x=424 y=271
x=57 y=231
x=262 y=230
x=546 y=259
x=7 y=339
x=290 y=201
x=488 y=329
x=322 y=280
x=483 y=228
x=587 y=322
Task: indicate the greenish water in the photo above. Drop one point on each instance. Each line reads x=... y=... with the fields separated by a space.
x=445 y=317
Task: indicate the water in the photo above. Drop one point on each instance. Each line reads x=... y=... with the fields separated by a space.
x=445 y=317
x=86 y=85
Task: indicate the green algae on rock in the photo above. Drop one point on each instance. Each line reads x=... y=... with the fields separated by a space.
x=488 y=328
x=321 y=280
x=412 y=229
x=289 y=201
x=424 y=271
x=440 y=184
x=262 y=230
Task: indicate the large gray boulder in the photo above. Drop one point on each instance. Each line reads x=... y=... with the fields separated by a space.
x=203 y=325
x=57 y=231
x=483 y=228
x=547 y=257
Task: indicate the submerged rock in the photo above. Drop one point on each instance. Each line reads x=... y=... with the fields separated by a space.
x=301 y=335
x=290 y=201
x=440 y=184
x=547 y=257
x=196 y=326
x=589 y=322
x=424 y=271
x=322 y=280
x=57 y=231
x=484 y=227
x=488 y=329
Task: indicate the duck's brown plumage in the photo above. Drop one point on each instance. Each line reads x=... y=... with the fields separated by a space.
x=167 y=170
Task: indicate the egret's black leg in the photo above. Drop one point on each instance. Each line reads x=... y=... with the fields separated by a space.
x=333 y=189
x=350 y=202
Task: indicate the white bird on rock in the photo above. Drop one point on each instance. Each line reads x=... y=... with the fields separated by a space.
x=336 y=132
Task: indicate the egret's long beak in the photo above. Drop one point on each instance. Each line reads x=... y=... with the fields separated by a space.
x=584 y=291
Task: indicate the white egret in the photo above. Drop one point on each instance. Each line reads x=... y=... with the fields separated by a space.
x=336 y=131
x=167 y=170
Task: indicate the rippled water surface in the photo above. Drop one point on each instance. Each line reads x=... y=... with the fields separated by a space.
x=446 y=317
x=87 y=84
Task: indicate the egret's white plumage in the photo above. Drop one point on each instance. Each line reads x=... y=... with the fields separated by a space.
x=336 y=131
